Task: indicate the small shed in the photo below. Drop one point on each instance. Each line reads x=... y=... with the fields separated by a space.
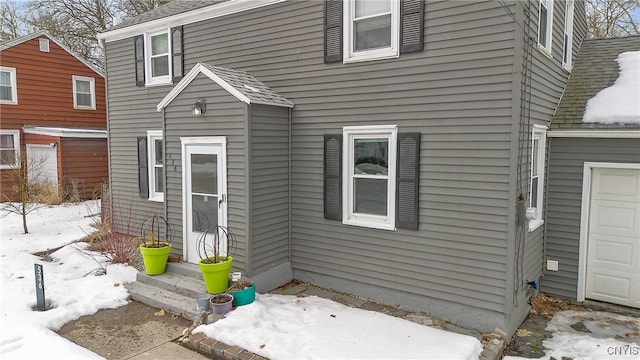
x=226 y=141
x=592 y=242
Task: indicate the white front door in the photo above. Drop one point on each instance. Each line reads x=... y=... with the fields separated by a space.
x=204 y=190
x=43 y=164
x=613 y=244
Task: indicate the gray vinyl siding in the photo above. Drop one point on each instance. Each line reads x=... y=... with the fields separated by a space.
x=458 y=94
x=269 y=199
x=549 y=80
x=131 y=112
x=564 y=200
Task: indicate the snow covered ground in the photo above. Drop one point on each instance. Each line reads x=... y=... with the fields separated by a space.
x=69 y=282
x=276 y=326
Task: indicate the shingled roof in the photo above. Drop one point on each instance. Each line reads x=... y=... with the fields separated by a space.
x=172 y=8
x=594 y=69
x=240 y=84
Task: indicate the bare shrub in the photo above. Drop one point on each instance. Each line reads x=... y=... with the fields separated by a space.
x=47 y=194
x=116 y=246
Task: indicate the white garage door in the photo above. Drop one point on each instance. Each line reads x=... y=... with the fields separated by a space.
x=43 y=160
x=613 y=250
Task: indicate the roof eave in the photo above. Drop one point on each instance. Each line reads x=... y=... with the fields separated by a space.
x=189 y=17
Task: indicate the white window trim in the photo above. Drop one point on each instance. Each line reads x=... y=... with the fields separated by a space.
x=372 y=221
x=568 y=36
x=14 y=86
x=92 y=88
x=546 y=49
x=535 y=214
x=350 y=55
x=44 y=44
x=16 y=143
x=158 y=80
x=153 y=135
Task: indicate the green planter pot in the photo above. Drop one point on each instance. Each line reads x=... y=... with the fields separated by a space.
x=245 y=296
x=155 y=259
x=216 y=276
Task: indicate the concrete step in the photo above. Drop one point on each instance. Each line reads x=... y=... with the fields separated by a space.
x=177 y=283
x=161 y=298
x=186 y=269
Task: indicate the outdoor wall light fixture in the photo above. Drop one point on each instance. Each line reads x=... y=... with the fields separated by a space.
x=199 y=108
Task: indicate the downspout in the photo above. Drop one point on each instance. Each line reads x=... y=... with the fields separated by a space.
x=289 y=190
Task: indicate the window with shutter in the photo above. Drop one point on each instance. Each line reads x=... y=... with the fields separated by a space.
x=373 y=30
x=155 y=165
x=377 y=170
x=159 y=57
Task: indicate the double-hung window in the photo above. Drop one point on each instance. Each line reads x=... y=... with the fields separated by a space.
x=9 y=148
x=370 y=176
x=159 y=57
x=536 y=189
x=545 y=25
x=156 y=165
x=157 y=60
x=371 y=29
x=8 y=86
x=568 y=35
x=84 y=92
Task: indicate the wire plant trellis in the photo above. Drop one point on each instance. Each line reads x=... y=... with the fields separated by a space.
x=211 y=241
x=155 y=232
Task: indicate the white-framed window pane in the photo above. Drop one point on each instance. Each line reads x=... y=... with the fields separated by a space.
x=372 y=33
x=6 y=92
x=370 y=196
x=83 y=86
x=160 y=66
x=534 y=192
x=542 y=36
x=368 y=7
x=9 y=144
x=158 y=151
x=534 y=157
x=83 y=99
x=159 y=44
x=159 y=179
x=371 y=156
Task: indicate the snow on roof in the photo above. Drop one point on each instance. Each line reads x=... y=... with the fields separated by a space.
x=619 y=103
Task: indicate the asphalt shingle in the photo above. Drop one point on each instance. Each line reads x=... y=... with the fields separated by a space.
x=595 y=69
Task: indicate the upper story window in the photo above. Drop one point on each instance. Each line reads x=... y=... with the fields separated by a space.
x=157 y=61
x=536 y=189
x=9 y=148
x=156 y=167
x=371 y=29
x=567 y=51
x=8 y=86
x=158 y=57
x=84 y=92
x=545 y=25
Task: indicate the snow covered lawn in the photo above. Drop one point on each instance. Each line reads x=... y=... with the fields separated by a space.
x=69 y=282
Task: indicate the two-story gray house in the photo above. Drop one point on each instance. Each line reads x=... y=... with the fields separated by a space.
x=393 y=148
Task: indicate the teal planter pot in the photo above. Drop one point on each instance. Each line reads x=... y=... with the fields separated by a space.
x=216 y=275
x=244 y=297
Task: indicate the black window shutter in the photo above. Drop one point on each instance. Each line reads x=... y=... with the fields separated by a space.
x=332 y=31
x=408 y=181
x=138 y=44
x=333 y=177
x=177 y=54
x=143 y=175
x=411 y=25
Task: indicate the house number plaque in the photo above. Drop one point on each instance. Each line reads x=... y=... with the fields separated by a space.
x=40 y=287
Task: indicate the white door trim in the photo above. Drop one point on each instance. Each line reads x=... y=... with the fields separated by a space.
x=202 y=140
x=584 y=218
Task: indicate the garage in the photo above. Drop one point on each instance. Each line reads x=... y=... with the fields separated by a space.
x=612 y=233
